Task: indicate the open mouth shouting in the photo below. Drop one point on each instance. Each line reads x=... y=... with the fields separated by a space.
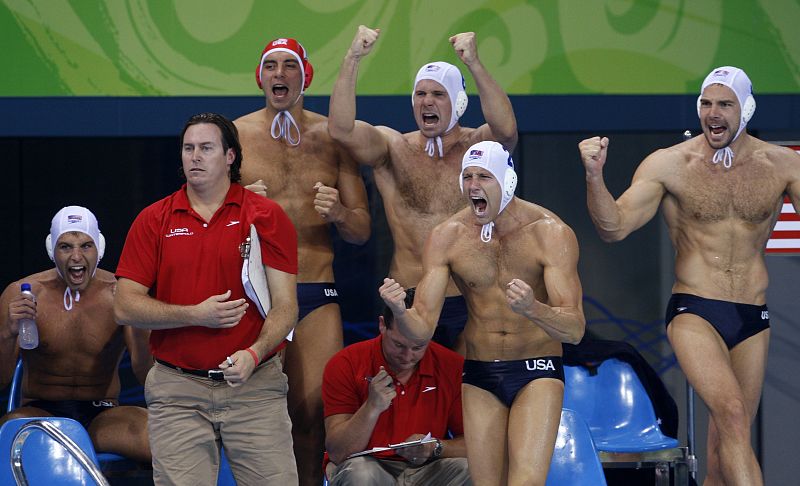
x=479 y=206
x=76 y=274
x=280 y=90
x=430 y=119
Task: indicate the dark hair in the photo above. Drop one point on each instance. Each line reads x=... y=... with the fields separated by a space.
x=230 y=138
x=388 y=316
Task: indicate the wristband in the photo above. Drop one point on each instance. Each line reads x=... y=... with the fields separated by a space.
x=253 y=354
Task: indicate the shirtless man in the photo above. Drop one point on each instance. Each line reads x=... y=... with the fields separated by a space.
x=516 y=265
x=720 y=194
x=73 y=371
x=288 y=149
x=415 y=172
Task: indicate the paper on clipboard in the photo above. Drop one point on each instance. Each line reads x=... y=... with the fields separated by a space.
x=402 y=445
x=254 y=277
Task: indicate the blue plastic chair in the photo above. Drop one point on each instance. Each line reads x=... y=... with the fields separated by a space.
x=225 y=476
x=44 y=460
x=108 y=461
x=16 y=388
x=575 y=461
x=616 y=406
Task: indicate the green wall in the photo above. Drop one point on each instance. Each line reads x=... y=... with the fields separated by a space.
x=211 y=47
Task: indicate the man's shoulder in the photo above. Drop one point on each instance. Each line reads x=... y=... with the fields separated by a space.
x=250 y=119
x=354 y=354
x=37 y=280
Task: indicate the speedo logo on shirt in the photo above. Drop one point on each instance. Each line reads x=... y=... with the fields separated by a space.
x=179 y=232
x=539 y=364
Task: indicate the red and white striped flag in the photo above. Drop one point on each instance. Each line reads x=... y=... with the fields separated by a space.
x=786 y=235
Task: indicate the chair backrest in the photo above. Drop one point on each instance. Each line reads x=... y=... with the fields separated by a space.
x=575 y=461
x=44 y=460
x=616 y=406
x=15 y=391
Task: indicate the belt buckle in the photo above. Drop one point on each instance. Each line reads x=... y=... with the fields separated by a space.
x=216 y=375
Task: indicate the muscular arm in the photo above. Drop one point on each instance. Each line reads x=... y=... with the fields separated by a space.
x=133 y=306
x=354 y=225
x=8 y=336
x=562 y=316
x=501 y=124
x=136 y=340
x=282 y=317
x=419 y=322
x=368 y=145
x=615 y=220
x=793 y=185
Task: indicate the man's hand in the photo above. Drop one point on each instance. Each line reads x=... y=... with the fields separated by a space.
x=520 y=297
x=219 y=312
x=394 y=295
x=593 y=152
x=241 y=369
x=417 y=455
x=381 y=390
x=464 y=45
x=257 y=187
x=327 y=204
x=364 y=40
x=22 y=307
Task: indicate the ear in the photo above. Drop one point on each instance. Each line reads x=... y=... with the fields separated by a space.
x=381 y=324
x=230 y=155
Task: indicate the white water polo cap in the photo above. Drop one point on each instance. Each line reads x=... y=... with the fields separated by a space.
x=737 y=80
x=493 y=157
x=449 y=76
x=80 y=219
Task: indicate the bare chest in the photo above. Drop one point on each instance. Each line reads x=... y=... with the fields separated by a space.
x=428 y=187
x=88 y=329
x=747 y=194
x=290 y=173
x=480 y=266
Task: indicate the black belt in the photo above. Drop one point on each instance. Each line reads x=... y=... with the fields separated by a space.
x=215 y=375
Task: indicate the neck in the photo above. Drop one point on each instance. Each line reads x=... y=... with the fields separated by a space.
x=206 y=200
x=296 y=110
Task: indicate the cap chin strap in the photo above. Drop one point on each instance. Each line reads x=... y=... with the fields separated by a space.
x=486 y=232
x=724 y=155
x=429 y=147
x=68 y=300
x=282 y=126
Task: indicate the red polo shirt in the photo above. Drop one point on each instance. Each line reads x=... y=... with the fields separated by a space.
x=183 y=260
x=429 y=402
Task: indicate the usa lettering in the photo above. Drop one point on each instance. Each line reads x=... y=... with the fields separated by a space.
x=331 y=293
x=764 y=315
x=539 y=365
x=179 y=232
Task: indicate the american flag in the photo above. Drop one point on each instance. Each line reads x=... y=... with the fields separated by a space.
x=786 y=235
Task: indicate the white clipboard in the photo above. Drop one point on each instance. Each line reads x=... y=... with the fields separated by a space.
x=425 y=440
x=254 y=276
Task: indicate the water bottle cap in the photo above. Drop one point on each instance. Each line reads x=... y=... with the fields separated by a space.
x=26 y=287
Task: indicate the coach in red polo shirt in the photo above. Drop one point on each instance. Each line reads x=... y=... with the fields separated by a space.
x=389 y=390
x=216 y=379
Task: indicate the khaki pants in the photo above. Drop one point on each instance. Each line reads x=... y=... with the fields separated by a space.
x=189 y=418
x=367 y=470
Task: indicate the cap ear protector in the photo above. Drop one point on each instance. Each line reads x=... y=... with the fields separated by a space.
x=461 y=102
x=297 y=50
x=509 y=183
x=101 y=247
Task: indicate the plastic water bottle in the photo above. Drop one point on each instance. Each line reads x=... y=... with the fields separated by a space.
x=28 y=333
